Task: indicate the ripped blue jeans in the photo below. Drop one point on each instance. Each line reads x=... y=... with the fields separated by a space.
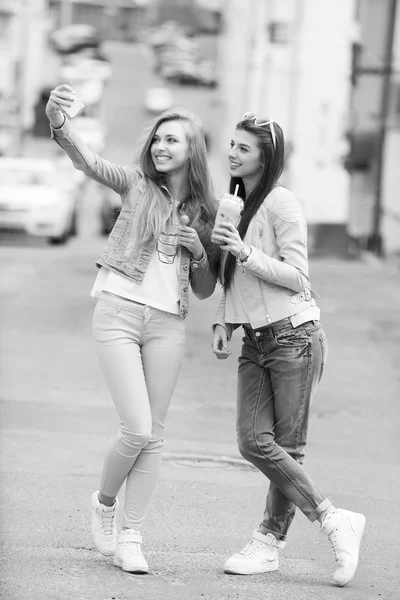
x=279 y=369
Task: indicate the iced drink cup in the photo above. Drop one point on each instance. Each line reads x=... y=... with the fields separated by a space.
x=229 y=210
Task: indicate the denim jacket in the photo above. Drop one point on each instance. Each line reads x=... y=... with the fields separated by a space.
x=276 y=272
x=123 y=254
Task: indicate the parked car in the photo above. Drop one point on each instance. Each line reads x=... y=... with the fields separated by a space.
x=39 y=196
x=187 y=71
x=179 y=58
x=73 y=38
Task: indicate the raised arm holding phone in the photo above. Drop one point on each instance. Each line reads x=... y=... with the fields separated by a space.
x=159 y=247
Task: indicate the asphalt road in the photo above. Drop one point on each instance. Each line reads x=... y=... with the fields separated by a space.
x=57 y=417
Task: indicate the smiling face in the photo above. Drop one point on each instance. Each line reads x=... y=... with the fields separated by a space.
x=170 y=147
x=245 y=156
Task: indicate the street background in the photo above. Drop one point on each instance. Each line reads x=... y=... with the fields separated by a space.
x=57 y=416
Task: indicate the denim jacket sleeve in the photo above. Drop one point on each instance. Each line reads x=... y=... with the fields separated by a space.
x=291 y=239
x=118 y=178
x=202 y=279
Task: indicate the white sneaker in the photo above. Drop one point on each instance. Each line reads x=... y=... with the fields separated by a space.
x=129 y=555
x=345 y=530
x=104 y=528
x=260 y=555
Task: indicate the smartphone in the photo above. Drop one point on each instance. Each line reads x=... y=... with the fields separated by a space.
x=75 y=109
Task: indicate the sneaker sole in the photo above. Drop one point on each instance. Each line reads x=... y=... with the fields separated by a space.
x=359 y=525
x=272 y=566
x=130 y=568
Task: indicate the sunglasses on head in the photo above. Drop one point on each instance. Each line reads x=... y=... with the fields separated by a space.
x=260 y=122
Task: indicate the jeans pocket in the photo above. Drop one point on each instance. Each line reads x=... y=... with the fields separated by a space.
x=103 y=310
x=312 y=326
x=292 y=338
x=174 y=316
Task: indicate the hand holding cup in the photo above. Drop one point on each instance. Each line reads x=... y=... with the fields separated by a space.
x=188 y=237
x=230 y=209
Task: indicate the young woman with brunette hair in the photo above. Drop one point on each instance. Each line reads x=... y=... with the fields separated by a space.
x=160 y=245
x=267 y=290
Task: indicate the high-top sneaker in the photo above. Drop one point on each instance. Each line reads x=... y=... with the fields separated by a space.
x=129 y=555
x=260 y=555
x=104 y=528
x=344 y=530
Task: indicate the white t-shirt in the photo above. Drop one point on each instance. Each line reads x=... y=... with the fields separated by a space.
x=160 y=285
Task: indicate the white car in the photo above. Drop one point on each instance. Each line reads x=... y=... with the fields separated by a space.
x=39 y=196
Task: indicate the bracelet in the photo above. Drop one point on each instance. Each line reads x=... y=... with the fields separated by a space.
x=243 y=255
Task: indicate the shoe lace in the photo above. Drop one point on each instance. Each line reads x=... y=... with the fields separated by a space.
x=132 y=548
x=333 y=540
x=107 y=524
x=251 y=547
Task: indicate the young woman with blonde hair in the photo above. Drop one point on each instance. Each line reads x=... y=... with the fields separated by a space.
x=160 y=245
x=267 y=291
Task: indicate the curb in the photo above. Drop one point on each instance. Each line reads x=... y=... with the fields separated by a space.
x=199 y=458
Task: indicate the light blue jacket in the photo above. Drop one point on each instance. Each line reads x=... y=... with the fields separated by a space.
x=122 y=253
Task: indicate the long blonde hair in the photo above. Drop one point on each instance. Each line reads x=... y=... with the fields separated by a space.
x=200 y=204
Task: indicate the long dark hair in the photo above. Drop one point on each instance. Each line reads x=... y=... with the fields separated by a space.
x=273 y=160
x=200 y=203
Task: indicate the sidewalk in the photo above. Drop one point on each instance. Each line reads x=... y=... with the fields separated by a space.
x=57 y=417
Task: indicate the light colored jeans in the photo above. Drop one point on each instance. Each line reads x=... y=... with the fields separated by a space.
x=141 y=350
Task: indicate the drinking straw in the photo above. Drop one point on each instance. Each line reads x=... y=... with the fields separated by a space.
x=236 y=190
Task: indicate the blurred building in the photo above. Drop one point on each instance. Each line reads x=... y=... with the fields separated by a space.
x=9 y=56
x=196 y=16
x=23 y=30
x=324 y=71
x=291 y=61
x=115 y=19
x=390 y=226
x=374 y=217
